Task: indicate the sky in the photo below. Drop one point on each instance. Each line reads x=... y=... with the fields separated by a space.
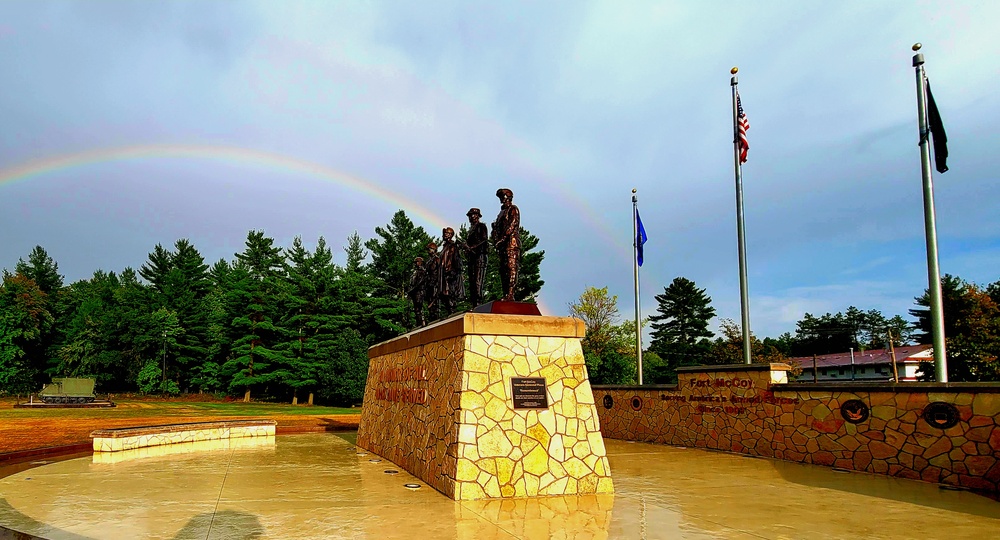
x=127 y=124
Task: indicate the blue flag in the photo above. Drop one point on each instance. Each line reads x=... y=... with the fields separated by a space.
x=640 y=237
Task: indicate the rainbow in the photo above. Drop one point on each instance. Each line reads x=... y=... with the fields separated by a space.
x=234 y=154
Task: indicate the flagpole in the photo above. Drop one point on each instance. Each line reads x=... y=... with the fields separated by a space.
x=741 y=237
x=635 y=276
x=930 y=226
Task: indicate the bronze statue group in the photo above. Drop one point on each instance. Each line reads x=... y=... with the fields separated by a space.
x=437 y=283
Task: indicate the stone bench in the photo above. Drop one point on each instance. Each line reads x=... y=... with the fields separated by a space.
x=116 y=440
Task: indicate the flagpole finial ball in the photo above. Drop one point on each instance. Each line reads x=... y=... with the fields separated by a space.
x=734 y=70
x=916 y=46
x=633 y=190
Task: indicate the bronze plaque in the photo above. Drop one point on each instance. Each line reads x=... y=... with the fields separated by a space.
x=529 y=392
x=941 y=415
x=854 y=411
x=636 y=403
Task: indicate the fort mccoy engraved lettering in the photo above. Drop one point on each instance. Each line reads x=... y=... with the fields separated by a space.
x=715 y=396
x=391 y=390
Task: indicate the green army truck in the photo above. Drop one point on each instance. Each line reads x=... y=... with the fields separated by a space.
x=68 y=390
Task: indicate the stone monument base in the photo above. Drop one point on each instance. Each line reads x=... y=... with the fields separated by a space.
x=486 y=405
x=502 y=307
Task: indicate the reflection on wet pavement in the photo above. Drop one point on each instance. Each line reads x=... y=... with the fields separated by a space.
x=319 y=486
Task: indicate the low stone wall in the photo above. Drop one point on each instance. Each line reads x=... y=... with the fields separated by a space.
x=235 y=443
x=438 y=403
x=947 y=433
x=117 y=440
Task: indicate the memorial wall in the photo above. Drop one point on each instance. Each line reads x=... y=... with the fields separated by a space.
x=947 y=433
x=486 y=406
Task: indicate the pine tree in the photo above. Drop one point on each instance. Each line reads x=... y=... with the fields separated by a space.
x=256 y=283
x=393 y=253
x=156 y=268
x=41 y=269
x=376 y=317
x=310 y=315
x=680 y=326
x=187 y=287
x=529 y=279
x=220 y=334
x=180 y=283
x=971 y=329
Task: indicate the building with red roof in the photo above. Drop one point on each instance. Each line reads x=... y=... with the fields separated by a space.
x=870 y=365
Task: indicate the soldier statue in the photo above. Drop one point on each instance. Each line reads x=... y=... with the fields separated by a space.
x=477 y=247
x=450 y=284
x=416 y=291
x=432 y=267
x=506 y=236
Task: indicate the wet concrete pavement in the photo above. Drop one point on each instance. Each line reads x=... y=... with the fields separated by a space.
x=320 y=486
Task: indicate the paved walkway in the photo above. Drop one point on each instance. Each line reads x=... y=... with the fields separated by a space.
x=320 y=486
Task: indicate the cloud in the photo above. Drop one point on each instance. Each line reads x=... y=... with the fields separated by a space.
x=570 y=104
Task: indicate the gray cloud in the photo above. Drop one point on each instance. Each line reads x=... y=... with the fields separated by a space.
x=570 y=104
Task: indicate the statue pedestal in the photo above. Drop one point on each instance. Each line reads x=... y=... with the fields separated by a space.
x=502 y=307
x=485 y=405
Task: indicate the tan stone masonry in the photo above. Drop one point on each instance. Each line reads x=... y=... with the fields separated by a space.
x=752 y=410
x=438 y=403
x=126 y=439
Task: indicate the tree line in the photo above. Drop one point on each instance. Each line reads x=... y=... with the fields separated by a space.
x=680 y=334
x=273 y=323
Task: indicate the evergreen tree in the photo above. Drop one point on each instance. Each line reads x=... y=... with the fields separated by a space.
x=830 y=333
x=683 y=314
x=180 y=283
x=344 y=382
x=157 y=267
x=971 y=329
x=310 y=315
x=393 y=253
x=356 y=254
x=220 y=334
x=680 y=328
x=187 y=286
x=41 y=269
x=256 y=281
x=133 y=307
x=89 y=322
x=374 y=316
x=529 y=279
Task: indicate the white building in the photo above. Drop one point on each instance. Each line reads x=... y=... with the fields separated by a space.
x=875 y=364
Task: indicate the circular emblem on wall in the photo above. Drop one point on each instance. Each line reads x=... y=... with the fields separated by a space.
x=637 y=403
x=854 y=411
x=941 y=415
x=608 y=401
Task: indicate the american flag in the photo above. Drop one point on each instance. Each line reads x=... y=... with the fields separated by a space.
x=742 y=126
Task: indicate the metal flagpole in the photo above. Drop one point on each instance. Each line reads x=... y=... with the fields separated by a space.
x=930 y=227
x=635 y=276
x=741 y=237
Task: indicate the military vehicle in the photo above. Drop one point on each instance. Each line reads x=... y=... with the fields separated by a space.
x=68 y=390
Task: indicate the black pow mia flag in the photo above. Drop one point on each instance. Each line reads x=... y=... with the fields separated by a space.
x=938 y=136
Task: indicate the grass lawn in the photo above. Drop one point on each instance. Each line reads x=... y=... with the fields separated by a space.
x=28 y=429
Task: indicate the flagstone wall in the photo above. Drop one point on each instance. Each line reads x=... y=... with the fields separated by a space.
x=438 y=402
x=947 y=433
